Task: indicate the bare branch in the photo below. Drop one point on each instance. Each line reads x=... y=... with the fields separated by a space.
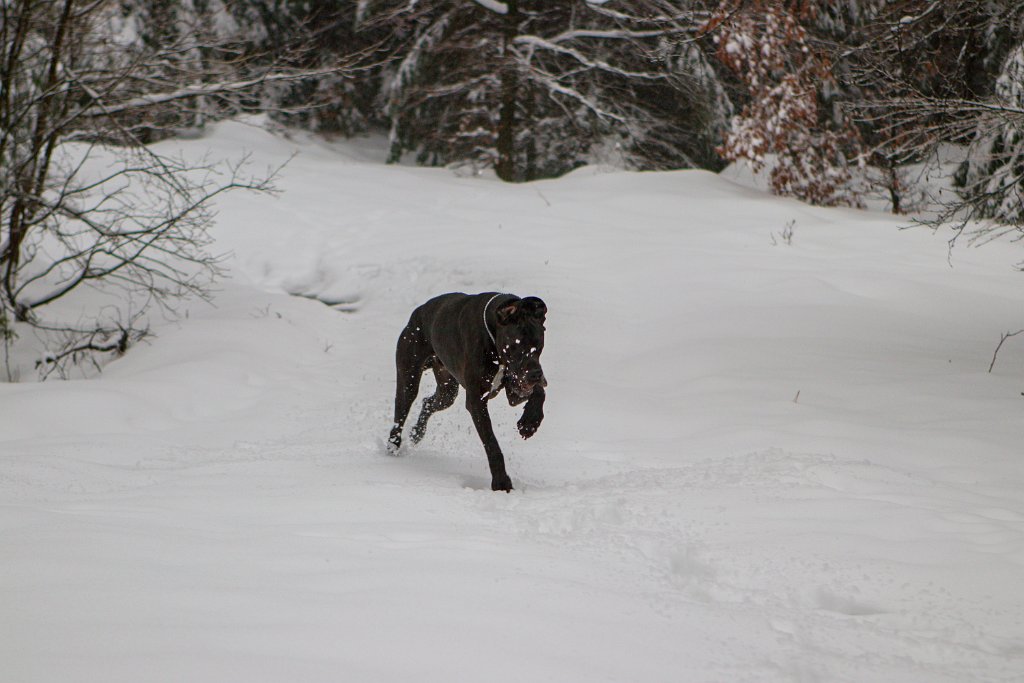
x=1002 y=339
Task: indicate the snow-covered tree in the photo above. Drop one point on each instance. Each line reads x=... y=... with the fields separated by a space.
x=167 y=44
x=534 y=88
x=991 y=180
x=312 y=36
x=930 y=74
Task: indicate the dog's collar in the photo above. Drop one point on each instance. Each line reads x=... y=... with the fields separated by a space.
x=499 y=376
x=486 y=326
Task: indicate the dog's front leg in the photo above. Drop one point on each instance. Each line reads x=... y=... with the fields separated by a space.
x=533 y=414
x=477 y=407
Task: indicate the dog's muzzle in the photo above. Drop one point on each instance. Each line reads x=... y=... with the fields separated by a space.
x=534 y=377
x=528 y=381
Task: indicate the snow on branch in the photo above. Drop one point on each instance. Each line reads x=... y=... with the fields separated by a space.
x=556 y=88
x=618 y=34
x=910 y=19
x=493 y=5
x=692 y=16
x=538 y=42
x=403 y=75
x=199 y=89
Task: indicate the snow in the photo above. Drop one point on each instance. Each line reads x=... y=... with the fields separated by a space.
x=493 y=5
x=761 y=460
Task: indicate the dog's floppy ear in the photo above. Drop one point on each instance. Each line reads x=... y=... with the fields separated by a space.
x=534 y=307
x=508 y=312
x=530 y=307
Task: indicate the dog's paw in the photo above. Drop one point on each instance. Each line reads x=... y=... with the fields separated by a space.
x=501 y=483
x=528 y=426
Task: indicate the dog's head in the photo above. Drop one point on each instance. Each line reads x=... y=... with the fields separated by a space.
x=520 y=339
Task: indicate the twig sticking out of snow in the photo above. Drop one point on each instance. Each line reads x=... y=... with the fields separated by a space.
x=1000 y=345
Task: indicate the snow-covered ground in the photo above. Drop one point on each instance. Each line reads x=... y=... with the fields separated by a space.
x=762 y=460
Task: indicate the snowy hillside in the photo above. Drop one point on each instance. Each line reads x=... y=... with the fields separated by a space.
x=763 y=459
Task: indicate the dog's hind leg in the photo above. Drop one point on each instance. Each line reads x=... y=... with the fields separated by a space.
x=411 y=357
x=444 y=397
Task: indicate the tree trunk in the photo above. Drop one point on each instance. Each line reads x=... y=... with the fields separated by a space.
x=506 y=165
x=32 y=178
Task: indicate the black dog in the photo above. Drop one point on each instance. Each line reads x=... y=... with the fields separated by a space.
x=485 y=342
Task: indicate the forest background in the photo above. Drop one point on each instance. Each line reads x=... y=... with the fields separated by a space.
x=835 y=103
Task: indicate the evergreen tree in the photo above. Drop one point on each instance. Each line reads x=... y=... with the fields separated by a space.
x=534 y=88
x=991 y=179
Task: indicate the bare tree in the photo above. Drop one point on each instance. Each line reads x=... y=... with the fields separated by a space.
x=85 y=204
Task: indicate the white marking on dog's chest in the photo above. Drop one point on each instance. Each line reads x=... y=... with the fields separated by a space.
x=499 y=377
